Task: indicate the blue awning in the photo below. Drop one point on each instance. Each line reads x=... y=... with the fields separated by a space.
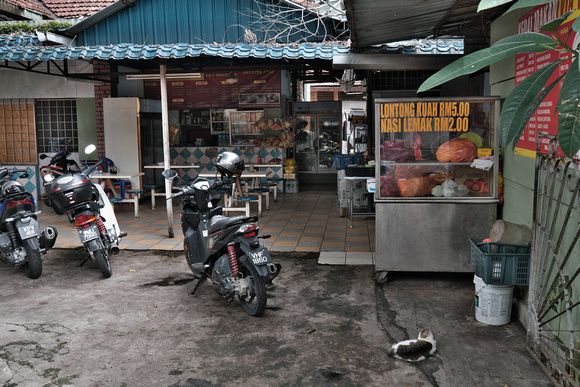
x=28 y=48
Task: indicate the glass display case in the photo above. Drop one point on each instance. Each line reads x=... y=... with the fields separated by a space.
x=437 y=149
x=243 y=126
x=438 y=177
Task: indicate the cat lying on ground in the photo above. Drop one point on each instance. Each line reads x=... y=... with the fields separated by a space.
x=415 y=349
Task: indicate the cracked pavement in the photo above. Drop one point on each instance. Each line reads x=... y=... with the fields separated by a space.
x=325 y=326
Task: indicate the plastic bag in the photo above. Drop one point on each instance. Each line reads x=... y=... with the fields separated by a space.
x=418 y=186
x=457 y=150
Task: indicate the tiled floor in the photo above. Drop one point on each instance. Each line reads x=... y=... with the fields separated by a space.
x=307 y=221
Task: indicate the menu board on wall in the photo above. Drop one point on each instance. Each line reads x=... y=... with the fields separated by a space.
x=255 y=89
x=545 y=119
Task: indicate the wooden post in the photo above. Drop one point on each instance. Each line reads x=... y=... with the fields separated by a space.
x=166 y=151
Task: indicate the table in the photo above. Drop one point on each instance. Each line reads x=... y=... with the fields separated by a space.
x=247 y=174
x=173 y=166
x=109 y=177
x=351 y=212
x=238 y=192
x=154 y=192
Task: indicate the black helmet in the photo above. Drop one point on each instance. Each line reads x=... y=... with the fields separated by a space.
x=229 y=164
x=12 y=188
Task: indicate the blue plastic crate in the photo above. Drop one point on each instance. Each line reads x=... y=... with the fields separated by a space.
x=500 y=263
x=341 y=161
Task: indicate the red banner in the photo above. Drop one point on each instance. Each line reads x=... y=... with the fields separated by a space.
x=252 y=89
x=545 y=119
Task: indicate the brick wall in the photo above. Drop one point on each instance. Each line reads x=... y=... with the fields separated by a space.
x=104 y=90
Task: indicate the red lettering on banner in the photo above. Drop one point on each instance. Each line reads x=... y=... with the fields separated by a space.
x=545 y=119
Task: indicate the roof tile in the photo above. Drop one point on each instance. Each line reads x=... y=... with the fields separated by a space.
x=31 y=5
x=74 y=9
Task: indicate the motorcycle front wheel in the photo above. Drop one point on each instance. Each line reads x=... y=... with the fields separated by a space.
x=253 y=303
x=103 y=262
x=33 y=266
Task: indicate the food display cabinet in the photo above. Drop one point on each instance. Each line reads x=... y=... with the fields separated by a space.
x=437 y=181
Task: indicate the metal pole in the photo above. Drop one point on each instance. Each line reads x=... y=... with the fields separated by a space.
x=166 y=154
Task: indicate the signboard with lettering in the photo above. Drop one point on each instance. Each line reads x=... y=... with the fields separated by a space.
x=400 y=117
x=545 y=120
x=254 y=89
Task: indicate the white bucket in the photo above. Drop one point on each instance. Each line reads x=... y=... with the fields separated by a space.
x=493 y=303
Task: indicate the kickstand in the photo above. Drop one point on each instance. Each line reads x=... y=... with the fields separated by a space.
x=199 y=281
x=83 y=262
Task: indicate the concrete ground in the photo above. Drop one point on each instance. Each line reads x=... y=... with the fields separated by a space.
x=325 y=326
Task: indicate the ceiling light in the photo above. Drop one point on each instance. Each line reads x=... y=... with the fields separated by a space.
x=232 y=78
x=168 y=76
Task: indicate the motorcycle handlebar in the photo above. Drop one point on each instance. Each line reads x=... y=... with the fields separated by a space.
x=90 y=170
x=189 y=190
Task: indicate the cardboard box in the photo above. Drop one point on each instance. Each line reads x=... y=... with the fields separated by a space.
x=464 y=172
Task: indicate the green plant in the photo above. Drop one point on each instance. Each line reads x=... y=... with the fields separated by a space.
x=525 y=98
x=26 y=28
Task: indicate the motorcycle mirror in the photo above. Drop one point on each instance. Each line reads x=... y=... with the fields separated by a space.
x=90 y=149
x=169 y=174
x=43 y=156
x=24 y=175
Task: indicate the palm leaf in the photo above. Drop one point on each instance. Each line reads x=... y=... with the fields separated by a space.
x=555 y=24
x=525 y=42
x=569 y=112
x=576 y=25
x=521 y=104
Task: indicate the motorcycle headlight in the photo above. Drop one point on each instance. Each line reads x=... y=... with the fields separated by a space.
x=48 y=178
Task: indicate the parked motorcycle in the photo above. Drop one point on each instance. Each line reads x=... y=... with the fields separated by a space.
x=21 y=241
x=227 y=250
x=86 y=205
x=327 y=152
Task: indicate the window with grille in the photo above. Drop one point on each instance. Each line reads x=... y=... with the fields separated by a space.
x=56 y=125
x=17 y=138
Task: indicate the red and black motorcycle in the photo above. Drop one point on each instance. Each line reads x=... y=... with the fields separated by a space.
x=21 y=241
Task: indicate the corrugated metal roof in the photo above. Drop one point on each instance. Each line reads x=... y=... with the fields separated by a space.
x=197 y=22
x=421 y=46
x=374 y=22
x=29 y=49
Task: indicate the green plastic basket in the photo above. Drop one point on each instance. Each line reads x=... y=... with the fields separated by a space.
x=500 y=263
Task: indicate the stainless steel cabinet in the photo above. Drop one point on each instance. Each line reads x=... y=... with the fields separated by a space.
x=437 y=181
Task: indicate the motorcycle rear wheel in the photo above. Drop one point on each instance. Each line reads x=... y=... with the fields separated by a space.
x=103 y=262
x=33 y=266
x=255 y=303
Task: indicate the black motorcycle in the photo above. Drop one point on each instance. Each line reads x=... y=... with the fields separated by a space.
x=87 y=206
x=21 y=241
x=227 y=250
x=327 y=152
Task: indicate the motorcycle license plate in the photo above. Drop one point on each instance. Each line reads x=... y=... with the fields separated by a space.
x=260 y=256
x=28 y=231
x=89 y=233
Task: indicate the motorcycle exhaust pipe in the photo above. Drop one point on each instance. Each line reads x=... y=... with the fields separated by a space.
x=48 y=238
x=114 y=249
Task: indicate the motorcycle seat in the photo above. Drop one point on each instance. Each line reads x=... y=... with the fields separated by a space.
x=220 y=222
